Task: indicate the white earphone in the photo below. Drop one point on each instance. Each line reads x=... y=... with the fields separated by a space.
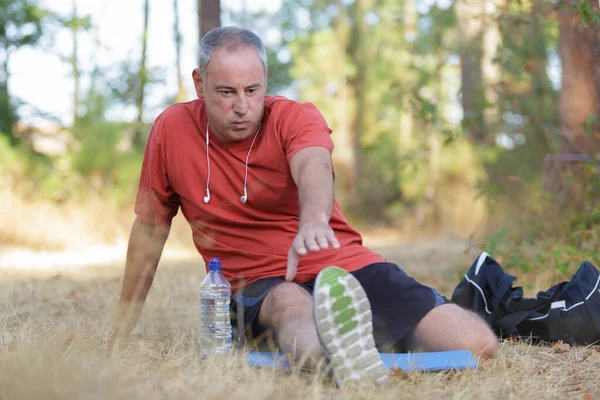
x=244 y=197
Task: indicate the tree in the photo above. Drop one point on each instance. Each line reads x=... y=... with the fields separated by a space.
x=20 y=25
x=470 y=14
x=490 y=69
x=76 y=24
x=580 y=92
x=181 y=95
x=359 y=56
x=573 y=184
x=143 y=77
x=209 y=16
x=75 y=63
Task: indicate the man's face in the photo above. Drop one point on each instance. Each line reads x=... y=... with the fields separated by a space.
x=234 y=92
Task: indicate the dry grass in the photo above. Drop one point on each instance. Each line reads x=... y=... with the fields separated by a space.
x=37 y=224
x=53 y=328
x=41 y=225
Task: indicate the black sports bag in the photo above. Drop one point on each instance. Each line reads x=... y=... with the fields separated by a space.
x=568 y=311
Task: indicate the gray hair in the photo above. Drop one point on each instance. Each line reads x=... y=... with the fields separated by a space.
x=232 y=38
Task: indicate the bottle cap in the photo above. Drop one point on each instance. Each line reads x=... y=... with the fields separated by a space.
x=215 y=264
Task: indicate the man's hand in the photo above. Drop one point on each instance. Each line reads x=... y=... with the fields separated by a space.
x=115 y=338
x=312 y=236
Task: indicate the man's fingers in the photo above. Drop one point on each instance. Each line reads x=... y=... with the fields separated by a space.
x=309 y=240
x=323 y=242
x=311 y=243
x=332 y=239
x=299 y=246
x=292 y=265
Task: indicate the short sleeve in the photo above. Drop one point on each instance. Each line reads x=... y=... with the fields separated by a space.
x=156 y=202
x=305 y=126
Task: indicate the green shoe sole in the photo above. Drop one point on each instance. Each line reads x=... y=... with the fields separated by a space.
x=343 y=318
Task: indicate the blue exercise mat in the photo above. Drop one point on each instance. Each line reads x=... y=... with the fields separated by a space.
x=458 y=359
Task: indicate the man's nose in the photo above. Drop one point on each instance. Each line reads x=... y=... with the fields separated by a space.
x=240 y=106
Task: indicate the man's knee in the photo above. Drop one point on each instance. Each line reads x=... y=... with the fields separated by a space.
x=489 y=345
x=486 y=344
x=450 y=327
x=287 y=300
x=480 y=338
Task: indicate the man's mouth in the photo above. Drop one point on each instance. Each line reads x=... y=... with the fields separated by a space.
x=241 y=124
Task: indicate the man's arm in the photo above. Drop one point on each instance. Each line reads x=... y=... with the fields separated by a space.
x=312 y=171
x=144 y=250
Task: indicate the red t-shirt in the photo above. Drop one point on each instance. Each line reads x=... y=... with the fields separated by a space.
x=252 y=239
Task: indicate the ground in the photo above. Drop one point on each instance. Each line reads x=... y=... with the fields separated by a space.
x=53 y=325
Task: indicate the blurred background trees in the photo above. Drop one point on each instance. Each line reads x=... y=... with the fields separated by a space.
x=461 y=115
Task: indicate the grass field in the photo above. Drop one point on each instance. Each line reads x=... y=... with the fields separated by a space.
x=53 y=327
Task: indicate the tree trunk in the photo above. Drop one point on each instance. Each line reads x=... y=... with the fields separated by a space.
x=491 y=41
x=542 y=105
x=579 y=103
x=143 y=75
x=411 y=18
x=470 y=14
x=580 y=93
x=7 y=115
x=75 y=63
x=426 y=209
x=209 y=16
x=370 y=192
x=181 y=94
x=344 y=156
x=358 y=84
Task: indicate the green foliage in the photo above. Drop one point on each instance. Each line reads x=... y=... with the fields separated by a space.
x=125 y=83
x=387 y=77
x=535 y=236
x=587 y=14
x=35 y=175
x=96 y=153
x=14 y=160
x=261 y=22
x=8 y=115
x=20 y=25
x=533 y=258
x=104 y=155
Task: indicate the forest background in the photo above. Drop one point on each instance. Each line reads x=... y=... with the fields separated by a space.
x=469 y=118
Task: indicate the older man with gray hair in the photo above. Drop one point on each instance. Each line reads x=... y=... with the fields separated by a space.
x=253 y=176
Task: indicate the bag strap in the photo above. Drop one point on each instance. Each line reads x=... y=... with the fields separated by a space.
x=554 y=324
x=517 y=309
x=504 y=286
x=545 y=294
x=507 y=325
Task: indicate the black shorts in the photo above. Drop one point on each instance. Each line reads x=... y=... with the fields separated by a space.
x=398 y=303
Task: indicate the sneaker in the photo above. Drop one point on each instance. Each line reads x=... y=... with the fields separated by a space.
x=343 y=317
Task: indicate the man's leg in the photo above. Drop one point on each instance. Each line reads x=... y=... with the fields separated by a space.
x=408 y=316
x=449 y=327
x=287 y=310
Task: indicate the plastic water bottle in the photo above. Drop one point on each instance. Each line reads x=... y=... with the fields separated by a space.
x=215 y=325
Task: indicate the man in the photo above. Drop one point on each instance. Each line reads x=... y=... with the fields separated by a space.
x=253 y=176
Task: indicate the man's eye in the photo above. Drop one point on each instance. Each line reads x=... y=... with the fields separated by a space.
x=251 y=91
x=226 y=92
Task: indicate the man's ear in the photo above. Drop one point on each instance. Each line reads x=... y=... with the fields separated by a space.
x=198 y=82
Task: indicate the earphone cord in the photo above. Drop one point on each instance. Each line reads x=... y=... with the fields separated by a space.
x=245 y=195
x=208 y=163
x=247 y=158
